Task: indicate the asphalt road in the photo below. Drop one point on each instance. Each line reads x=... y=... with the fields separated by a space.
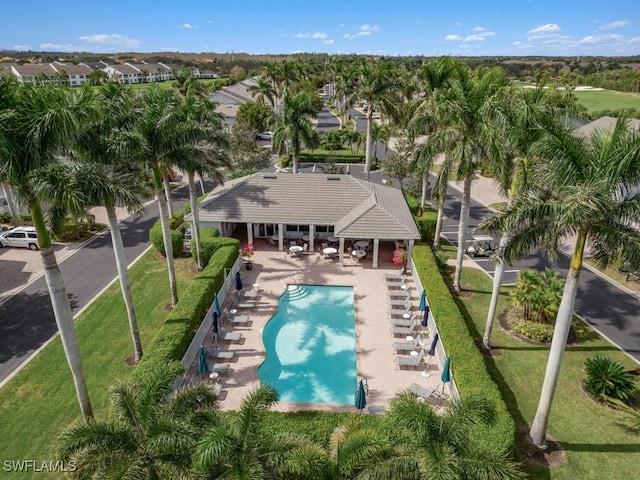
x=611 y=310
x=26 y=319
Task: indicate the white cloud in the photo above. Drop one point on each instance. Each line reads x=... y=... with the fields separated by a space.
x=368 y=28
x=453 y=38
x=614 y=25
x=474 y=38
x=187 y=26
x=314 y=35
x=599 y=38
x=458 y=24
x=478 y=29
x=516 y=43
x=545 y=29
x=112 y=39
x=634 y=40
x=61 y=48
x=329 y=42
x=22 y=48
x=364 y=33
x=318 y=35
x=302 y=35
x=349 y=36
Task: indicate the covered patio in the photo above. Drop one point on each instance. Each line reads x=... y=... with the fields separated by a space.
x=316 y=213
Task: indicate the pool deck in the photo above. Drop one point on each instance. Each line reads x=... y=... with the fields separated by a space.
x=272 y=271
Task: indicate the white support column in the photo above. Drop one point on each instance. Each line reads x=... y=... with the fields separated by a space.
x=341 y=252
x=249 y=232
x=409 y=252
x=280 y=236
x=312 y=235
x=376 y=247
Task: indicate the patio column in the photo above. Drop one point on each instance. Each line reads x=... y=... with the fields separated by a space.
x=409 y=253
x=312 y=234
x=249 y=232
x=341 y=252
x=280 y=236
x=376 y=246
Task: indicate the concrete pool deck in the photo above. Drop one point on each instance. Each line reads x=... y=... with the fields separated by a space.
x=273 y=270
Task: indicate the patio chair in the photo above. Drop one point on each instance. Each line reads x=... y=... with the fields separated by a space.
x=224 y=354
x=420 y=391
x=405 y=330
x=253 y=293
x=271 y=241
x=431 y=396
x=216 y=388
x=400 y=302
x=411 y=361
x=403 y=322
x=231 y=336
x=237 y=304
x=305 y=247
x=239 y=319
x=398 y=294
x=401 y=347
x=220 y=368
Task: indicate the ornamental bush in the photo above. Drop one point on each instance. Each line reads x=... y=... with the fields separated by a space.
x=541 y=332
x=177 y=237
x=607 y=378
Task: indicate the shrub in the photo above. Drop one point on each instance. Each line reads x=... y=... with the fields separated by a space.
x=175 y=335
x=176 y=220
x=607 y=378
x=25 y=219
x=468 y=364
x=210 y=242
x=5 y=217
x=541 y=332
x=539 y=294
x=156 y=239
x=427 y=225
x=71 y=231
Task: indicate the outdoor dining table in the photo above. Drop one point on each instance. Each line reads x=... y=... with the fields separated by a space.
x=362 y=244
x=332 y=239
x=329 y=251
x=295 y=250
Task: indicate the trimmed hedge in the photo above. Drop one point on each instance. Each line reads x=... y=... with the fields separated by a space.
x=210 y=242
x=177 y=237
x=467 y=363
x=179 y=327
x=427 y=222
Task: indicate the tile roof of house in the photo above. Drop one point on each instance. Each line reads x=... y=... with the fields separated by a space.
x=71 y=69
x=151 y=67
x=31 y=69
x=603 y=124
x=124 y=68
x=355 y=207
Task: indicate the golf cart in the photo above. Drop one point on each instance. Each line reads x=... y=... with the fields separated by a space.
x=481 y=246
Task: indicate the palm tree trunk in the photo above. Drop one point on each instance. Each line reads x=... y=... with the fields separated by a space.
x=558 y=344
x=8 y=194
x=462 y=230
x=367 y=158
x=123 y=276
x=201 y=184
x=425 y=188
x=62 y=311
x=295 y=164
x=167 y=193
x=497 y=284
x=195 y=230
x=166 y=235
x=436 y=235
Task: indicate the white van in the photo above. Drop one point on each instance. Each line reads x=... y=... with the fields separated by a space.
x=25 y=237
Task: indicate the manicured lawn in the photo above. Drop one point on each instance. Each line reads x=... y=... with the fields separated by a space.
x=607 y=100
x=40 y=401
x=596 y=443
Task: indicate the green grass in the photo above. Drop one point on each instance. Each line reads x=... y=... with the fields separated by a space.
x=40 y=401
x=596 y=443
x=607 y=100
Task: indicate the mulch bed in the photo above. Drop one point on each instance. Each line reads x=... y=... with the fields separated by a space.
x=553 y=455
x=510 y=317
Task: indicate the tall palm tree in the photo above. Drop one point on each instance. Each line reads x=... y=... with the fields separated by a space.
x=186 y=83
x=584 y=187
x=522 y=110
x=152 y=432
x=263 y=90
x=293 y=127
x=106 y=181
x=238 y=447
x=466 y=134
x=36 y=124
x=377 y=85
x=205 y=157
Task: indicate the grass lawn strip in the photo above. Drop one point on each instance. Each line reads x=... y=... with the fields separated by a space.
x=595 y=441
x=40 y=401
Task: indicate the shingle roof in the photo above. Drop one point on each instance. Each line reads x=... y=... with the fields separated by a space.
x=71 y=69
x=603 y=124
x=124 y=68
x=355 y=207
x=30 y=69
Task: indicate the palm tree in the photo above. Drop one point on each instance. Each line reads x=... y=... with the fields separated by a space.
x=152 y=432
x=263 y=91
x=36 y=124
x=186 y=83
x=444 y=446
x=107 y=182
x=293 y=127
x=466 y=134
x=239 y=448
x=584 y=187
x=204 y=158
x=377 y=85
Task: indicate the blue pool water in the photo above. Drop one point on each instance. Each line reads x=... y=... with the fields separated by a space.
x=311 y=346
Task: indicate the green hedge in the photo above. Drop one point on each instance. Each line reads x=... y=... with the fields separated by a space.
x=427 y=222
x=210 y=242
x=467 y=363
x=308 y=157
x=177 y=237
x=179 y=327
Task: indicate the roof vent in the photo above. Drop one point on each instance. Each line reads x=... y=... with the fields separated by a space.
x=269 y=176
x=333 y=178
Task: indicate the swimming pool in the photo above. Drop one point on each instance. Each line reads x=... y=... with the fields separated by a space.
x=310 y=346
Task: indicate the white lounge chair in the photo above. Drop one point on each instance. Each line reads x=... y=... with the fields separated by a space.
x=403 y=294
x=238 y=304
x=404 y=330
x=410 y=361
x=420 y=391
x=432 y=396
x=408 y=346
x=253 y=293
x=224 y=354
x=232 y=336
x=239 y=319
x=220 y=367
x=403 y=322
x=399 y=302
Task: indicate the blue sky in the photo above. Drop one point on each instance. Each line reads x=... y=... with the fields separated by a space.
x=397 y=27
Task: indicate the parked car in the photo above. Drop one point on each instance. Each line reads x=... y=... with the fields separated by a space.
x=265 y=136
x=25 y=237
x=481 y=246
